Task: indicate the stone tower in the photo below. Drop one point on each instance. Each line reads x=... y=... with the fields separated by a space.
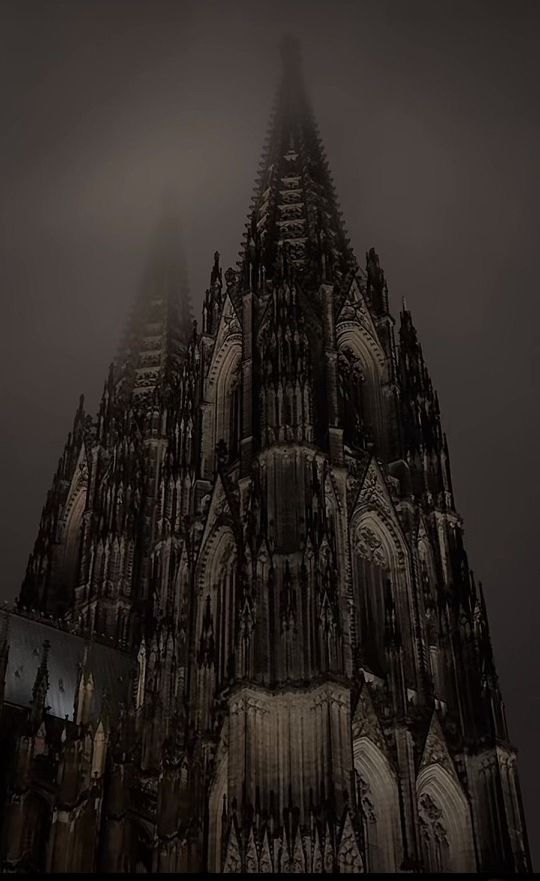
x=248 y=638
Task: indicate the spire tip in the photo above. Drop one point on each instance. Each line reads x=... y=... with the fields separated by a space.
x=290 y=53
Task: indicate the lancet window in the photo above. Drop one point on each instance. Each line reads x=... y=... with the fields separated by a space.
x=372 y=582
x=218 y=605
x=227 y=404
x=359 y=397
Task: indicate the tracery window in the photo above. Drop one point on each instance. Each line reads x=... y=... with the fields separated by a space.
x=222 y=410
x=372 y=583
x=357 y=431
x=225 y=614
x=227 y=406
x=218 y=606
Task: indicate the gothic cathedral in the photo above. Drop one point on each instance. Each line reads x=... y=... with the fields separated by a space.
x=248 y=638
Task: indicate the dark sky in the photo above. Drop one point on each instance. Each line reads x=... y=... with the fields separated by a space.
x=430 y=113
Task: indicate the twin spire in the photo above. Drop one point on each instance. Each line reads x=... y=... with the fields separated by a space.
x=160 y=325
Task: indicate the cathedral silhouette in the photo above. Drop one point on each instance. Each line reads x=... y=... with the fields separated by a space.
x=248 y=638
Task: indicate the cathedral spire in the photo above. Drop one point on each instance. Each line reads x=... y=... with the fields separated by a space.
x=160 y=325
x=295 y=223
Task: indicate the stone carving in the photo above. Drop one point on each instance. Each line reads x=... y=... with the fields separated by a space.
x=348 y=858
x=430 y=815
x=366 y=722
x=370 y=547
x=365 y=798
x=435 y=749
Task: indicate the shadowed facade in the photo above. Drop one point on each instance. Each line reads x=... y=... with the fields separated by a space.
x=278 y=658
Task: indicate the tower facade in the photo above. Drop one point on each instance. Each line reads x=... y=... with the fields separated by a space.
x=248 y=638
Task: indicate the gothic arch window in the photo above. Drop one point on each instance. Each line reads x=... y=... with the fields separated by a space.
x=218 y=600
x=225 y=581
x=445 y=822
x=72 y=541
x=381 y=585
x=225 y=397
x=371 y=582
x=353 y=404
x=360 y=400
x=378 y=801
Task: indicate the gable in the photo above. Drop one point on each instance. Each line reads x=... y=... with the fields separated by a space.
x=435 y=749
x=354 y=315
x=229 y=333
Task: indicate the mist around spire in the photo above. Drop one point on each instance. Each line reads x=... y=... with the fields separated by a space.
x=295 y=224
x=291 y=55
x=261 y=522
x=161 y=322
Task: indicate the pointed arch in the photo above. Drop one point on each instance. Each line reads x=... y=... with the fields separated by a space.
x=217 y=596
x=221 y=418
x=72 y=534
x=378 y=800
x=377 y=573
x=361 y=375
x=445 y=822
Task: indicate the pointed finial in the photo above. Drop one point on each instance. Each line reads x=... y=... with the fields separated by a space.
x=216 y=276
x=290 y=54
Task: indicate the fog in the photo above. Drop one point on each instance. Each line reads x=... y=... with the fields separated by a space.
x=430 y=115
